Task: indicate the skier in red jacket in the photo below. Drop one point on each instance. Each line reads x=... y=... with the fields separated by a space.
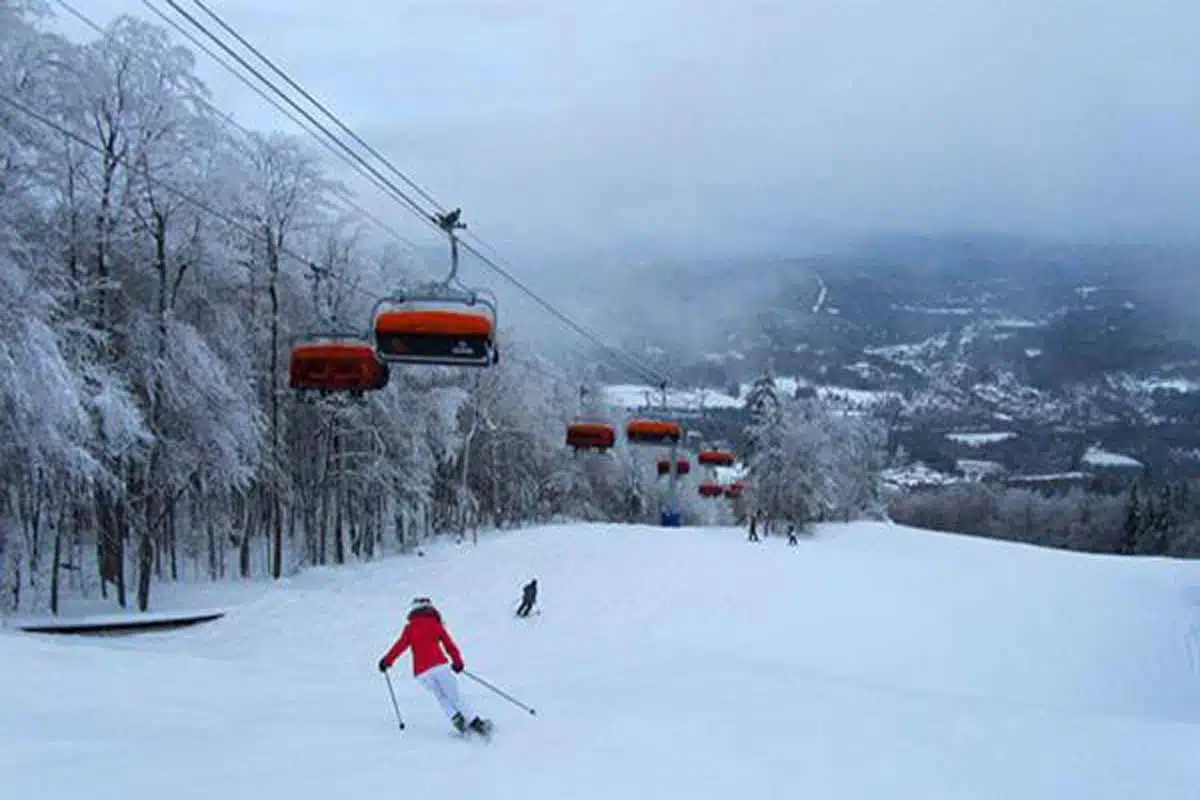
x=427 y=637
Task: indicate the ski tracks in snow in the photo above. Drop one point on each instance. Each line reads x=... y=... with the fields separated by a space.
x=1193 y=646
x=1192 y=635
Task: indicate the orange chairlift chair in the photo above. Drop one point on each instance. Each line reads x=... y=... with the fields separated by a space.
x=439 y=323
x=590 y=431
x=653 y=431
x=716 y=458
x=336 y=363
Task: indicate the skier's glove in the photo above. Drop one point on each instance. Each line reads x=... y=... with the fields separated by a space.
x=457 y=666
x=383 y=665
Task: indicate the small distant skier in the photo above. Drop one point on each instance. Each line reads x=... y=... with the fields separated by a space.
x=754 y=528
x=792 y=534
x=528 y=598
x=427 y=636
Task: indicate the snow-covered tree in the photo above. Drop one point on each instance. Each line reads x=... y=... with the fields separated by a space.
x=763 y=406
x=808 y=463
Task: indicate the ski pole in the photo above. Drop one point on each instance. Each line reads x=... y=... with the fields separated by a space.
x=503 y=694
x=395 y=705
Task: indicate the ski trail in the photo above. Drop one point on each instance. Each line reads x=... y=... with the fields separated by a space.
x=1191 y=636
x=824 y=292
x=880 y=662
x=1193 y=647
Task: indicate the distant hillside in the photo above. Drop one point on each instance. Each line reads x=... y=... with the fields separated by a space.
x=1065 y=346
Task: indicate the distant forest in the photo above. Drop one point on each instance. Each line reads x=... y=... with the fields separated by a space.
x=1149 y=519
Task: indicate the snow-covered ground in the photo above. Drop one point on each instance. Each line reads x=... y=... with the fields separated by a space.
x=917 y=475
x=822 y=295
x=945 y=311
x=981 y=439
x=638 y=396
x=1098 y=457
x=871 y=661
x=1017 y=323
x=858 y=398
x=1179 y=385
x=975 y=469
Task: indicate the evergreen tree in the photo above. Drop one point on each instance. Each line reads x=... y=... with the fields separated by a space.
x=764 y=409
x=1156 y=536
x=1134 y=521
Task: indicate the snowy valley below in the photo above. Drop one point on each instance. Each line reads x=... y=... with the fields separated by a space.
x=1034 y=351
x=869 y=661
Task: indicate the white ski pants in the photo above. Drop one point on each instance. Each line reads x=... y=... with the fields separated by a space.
x=443 y=685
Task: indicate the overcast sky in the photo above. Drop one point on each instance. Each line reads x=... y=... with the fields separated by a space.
x=751 y=125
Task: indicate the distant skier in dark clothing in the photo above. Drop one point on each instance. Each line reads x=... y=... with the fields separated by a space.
x=754 y=528
x=528 y=598
x=792 y=534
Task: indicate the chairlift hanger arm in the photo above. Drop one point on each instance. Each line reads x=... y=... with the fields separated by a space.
x=450 y=222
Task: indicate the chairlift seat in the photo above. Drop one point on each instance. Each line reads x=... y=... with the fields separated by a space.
x=590 y=436
x=327 y=363
x=653 y=431
x=436 y=336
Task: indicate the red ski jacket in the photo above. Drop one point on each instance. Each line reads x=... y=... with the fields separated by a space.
x=426 y=636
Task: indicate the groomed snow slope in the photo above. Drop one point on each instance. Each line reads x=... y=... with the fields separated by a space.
x=872 y=661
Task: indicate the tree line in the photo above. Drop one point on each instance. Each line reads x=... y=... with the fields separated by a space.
x=1152 y=517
